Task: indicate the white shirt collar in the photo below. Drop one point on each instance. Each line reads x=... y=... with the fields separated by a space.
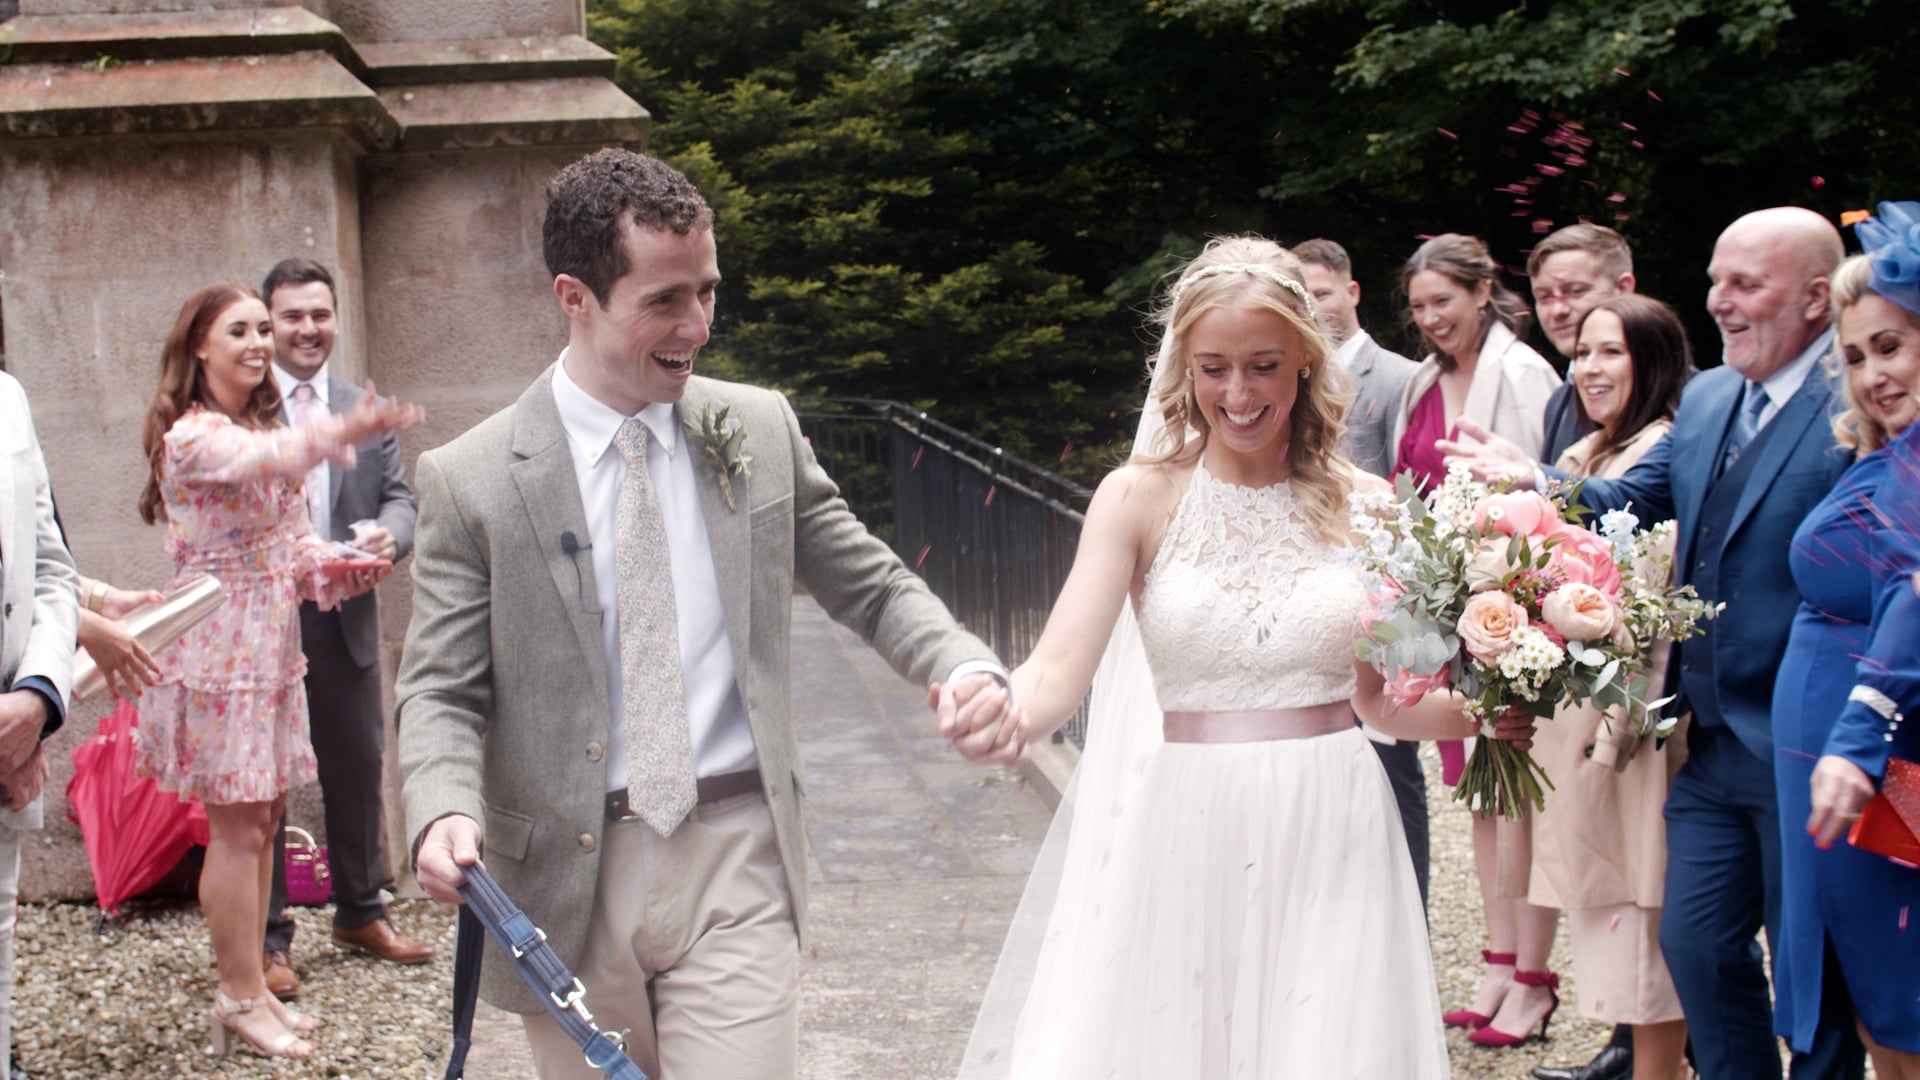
x=1783 y=384
x=287 y=382
x=1350 y=348
x=592 y=423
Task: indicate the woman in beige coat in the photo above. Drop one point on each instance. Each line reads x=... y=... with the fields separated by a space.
x=1477 y=366
x=1600 y=849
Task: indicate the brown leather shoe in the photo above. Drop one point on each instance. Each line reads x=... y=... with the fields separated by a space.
x=281 y=981
x=382 y=940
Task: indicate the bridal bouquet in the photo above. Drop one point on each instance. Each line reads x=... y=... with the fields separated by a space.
x=1506 y=598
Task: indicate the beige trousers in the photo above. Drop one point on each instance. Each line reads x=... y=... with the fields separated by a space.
x=692 y=950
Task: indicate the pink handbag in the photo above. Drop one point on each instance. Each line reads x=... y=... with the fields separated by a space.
x=309 y=878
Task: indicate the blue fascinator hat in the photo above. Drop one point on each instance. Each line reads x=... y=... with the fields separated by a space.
x=1891 y=241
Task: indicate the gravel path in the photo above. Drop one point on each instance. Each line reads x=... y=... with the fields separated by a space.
x=131 y=1002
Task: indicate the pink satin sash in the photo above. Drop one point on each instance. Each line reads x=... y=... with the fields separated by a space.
x=1264 y=725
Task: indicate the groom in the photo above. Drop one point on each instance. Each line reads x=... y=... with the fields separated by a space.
x=595 y=680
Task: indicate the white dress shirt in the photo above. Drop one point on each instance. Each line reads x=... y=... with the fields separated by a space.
x=716 y=718
x=320 y=505
x=1350 y=348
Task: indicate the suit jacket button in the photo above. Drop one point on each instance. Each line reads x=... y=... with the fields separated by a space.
x=587 y=842
x=595 y=752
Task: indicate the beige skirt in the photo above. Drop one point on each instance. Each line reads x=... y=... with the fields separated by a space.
x=1619 y=975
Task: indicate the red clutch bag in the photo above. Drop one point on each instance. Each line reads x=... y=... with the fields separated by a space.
x=1889 y=824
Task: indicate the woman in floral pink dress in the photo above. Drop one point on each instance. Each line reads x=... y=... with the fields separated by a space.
x=226 y=722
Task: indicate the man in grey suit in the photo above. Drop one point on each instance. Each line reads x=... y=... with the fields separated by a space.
x=1380 y=379
x=596 y=676
x=42 y=616
x=342 y=647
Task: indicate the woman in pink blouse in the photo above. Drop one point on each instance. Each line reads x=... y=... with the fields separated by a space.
x=226 y=722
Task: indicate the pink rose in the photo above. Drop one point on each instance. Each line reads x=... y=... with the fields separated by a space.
x=1488 y=624
x=1517 y=513
x=1580 y=611
x=1407 y=689
x=1584 y=558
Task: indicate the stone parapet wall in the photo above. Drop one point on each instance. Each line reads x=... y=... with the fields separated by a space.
x=148 y=147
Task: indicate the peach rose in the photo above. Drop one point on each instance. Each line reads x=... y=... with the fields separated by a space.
x=1584 y=558
x=1517 y=513
x=1488 y=624
x=1580 y=611
x=1407 y=689
x=1489 y=566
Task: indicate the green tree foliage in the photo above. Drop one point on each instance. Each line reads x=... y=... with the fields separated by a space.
x=966 y=203
x=868 y=249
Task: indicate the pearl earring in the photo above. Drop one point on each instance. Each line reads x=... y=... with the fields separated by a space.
x=1305 y=371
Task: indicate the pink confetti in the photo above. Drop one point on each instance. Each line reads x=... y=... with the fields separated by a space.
x=916 y=458
x=1903 y=918
x=1615 y=924
x=1542 y=226
x=1653 y=95
x=1638 y=145
x=1574 y=160
x=991 y=492
x=1423 y=237
x=1624 y=126
x=962 y=928
x=1819 y=182
x=1550 y=170
x=1447 y=133
x=1617 y=197
x=1623 y=73
x=1064 y=454
x=923 y=555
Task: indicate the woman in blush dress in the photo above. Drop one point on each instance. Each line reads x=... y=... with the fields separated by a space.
x=1848 y=941
x=226 y=721
x=1479 y=368
x=1248 y=908
x=1600 y=843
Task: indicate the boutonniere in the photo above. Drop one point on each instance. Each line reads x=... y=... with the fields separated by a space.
x=721 y=441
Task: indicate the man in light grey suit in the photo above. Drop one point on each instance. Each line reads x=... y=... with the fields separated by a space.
x=643 y=807
x=1380 y=380
x=42 y=616
x=343 y=646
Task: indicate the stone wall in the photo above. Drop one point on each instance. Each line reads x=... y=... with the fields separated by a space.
x=148 y=147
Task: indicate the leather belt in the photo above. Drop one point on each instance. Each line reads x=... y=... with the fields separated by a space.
x=708 y=789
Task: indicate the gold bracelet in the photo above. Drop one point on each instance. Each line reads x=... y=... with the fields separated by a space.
x=95 y=596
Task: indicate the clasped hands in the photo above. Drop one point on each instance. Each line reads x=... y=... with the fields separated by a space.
x=978 y=717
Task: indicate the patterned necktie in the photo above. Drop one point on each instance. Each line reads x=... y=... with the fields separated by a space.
x=1746 y=424
x=660 y=780
x=306 y=405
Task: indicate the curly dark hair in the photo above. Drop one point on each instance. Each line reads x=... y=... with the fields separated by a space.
x=589 y=201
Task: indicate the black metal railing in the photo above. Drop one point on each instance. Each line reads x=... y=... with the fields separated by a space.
x=992 y=534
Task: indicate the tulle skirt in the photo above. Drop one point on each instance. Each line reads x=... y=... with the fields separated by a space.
x=1260 y=919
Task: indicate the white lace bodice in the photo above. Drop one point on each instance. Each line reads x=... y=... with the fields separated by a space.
x=1245 y=607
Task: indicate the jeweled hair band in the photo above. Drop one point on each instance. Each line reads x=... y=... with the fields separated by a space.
x=1265 y=272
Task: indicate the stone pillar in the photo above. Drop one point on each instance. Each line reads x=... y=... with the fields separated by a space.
x=148 y=147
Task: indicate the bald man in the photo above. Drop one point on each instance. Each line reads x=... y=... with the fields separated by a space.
x=1750 y=454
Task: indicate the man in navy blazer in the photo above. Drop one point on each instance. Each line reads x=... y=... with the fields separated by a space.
x=1750 y=454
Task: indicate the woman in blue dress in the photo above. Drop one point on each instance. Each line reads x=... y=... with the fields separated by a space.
x=1850 y=920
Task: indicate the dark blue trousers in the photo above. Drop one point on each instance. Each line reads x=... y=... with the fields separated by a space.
x=1722 y=889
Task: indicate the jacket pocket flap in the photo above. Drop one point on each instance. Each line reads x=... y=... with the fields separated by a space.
x=508 y=834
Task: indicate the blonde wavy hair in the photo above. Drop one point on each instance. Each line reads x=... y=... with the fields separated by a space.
x=1854 y=428
x=1250 y=272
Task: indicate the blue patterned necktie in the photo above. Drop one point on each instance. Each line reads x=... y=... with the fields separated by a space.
x=661 y=786
x=1746 y=424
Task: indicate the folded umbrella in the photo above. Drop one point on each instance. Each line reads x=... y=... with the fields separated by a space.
x=135 y=832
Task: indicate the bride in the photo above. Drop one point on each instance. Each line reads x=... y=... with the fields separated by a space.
x=1226 y=891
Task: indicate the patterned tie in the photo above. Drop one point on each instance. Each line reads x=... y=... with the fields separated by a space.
x=660 y=780
x=306 y=405
x=1746 y=424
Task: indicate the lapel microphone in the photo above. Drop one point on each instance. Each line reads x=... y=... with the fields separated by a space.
x=571 y=547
